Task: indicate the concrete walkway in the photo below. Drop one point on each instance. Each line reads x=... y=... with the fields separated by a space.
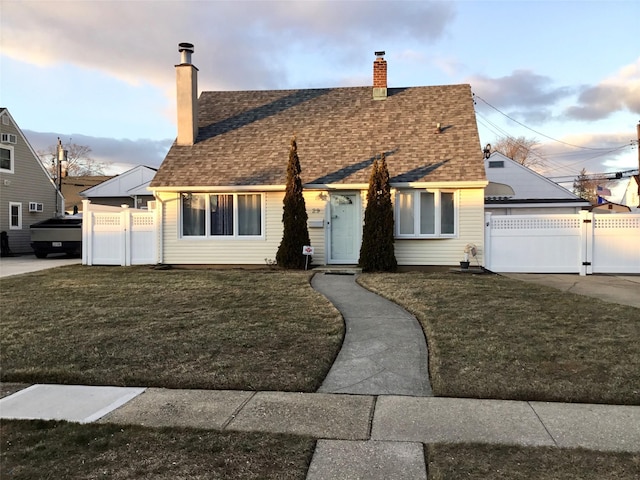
x=360 y=436
x=376 y=426
x=384 y=350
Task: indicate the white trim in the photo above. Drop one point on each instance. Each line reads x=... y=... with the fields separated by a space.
x=357 y=226
x=437 y=216
x=19 y=225
x=12 y=159
x=9 y=138
x=36 y=207
x=207 y=219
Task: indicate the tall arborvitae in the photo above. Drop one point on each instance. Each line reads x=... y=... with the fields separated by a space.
x=377 y=250
x=294 y=217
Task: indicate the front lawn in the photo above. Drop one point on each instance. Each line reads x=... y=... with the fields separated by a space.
x=494 y=337
x=57 y=450
x=136 y=326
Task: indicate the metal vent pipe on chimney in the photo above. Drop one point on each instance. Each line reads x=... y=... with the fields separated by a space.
x=185 y=49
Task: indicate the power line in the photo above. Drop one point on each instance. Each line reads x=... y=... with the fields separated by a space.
x=535 y=131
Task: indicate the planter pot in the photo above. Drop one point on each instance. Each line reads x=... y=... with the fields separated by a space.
x=464 y=265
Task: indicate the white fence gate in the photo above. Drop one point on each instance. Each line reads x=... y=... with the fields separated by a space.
x=118 y=235
x=585 y=243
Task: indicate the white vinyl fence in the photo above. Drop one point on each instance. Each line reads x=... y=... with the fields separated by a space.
x=118 y=235
x=585 y=243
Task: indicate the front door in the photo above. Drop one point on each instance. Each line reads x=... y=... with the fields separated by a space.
x=344 y=228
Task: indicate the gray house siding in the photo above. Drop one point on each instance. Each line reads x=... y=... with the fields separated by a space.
x=29 y=182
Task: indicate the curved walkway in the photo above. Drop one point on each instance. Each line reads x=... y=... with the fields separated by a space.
x=384 y=350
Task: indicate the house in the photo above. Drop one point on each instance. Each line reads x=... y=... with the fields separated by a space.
x=129 y=188
x=514 y=189
x=27 y=192
x=610 y=207
x=631 y=196
x=219 y=190
x=72 y=186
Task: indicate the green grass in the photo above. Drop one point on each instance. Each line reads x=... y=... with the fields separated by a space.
x=480 y=462
x=135 y=326
x=57 y=450
x=495 y=337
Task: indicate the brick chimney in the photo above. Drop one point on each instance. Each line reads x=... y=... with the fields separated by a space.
x=379 y=77
x=187 y=96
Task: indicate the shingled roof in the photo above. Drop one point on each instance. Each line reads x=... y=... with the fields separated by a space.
x=244 y=137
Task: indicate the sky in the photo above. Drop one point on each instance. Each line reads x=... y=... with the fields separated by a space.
x=101 y=73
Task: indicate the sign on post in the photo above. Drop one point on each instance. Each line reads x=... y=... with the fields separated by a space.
x=307 y=250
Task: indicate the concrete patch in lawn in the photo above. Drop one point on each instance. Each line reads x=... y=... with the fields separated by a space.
x=74 y=403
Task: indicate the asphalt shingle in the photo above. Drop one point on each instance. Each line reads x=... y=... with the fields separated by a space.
x=244 y=137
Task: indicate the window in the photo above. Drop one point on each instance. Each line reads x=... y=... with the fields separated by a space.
x=15 y=216
x=8 y=138
x=6 y=159
x=496 y=163
x=222 y=215
x=426 y=214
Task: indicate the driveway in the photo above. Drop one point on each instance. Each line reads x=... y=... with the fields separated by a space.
x=622 y=289
x=29 y=263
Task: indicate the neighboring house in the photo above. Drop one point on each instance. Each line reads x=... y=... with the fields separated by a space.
x=610 y=207
x=220 y=188
x=631 y=197
x=27 y=192
x=517 y=190
x=72 y=186
x=129 y=188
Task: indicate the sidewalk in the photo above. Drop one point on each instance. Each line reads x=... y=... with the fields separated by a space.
x=371 y=436
x=375 y=427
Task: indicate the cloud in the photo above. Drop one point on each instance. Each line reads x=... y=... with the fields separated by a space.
x=617 y=93
x=117 y=154
x=137 y=41
x=522 y=89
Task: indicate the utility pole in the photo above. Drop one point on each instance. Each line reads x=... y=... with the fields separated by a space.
x=638 y=146
x=60 y=169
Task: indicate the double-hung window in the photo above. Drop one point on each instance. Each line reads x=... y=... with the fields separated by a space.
x=6 y=159
x=427 y=214
x=219 y=215
x=15 y=216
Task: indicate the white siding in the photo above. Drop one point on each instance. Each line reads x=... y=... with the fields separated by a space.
x=445 y=251
x=222 y=251
x=449 y=251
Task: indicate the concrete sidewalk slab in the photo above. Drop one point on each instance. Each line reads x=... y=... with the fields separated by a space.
x=313 y=414
x=340 y=459
x=595 y=427
x=74 y=403
x=456 y=420
x=384 y=350
x=160 y=407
